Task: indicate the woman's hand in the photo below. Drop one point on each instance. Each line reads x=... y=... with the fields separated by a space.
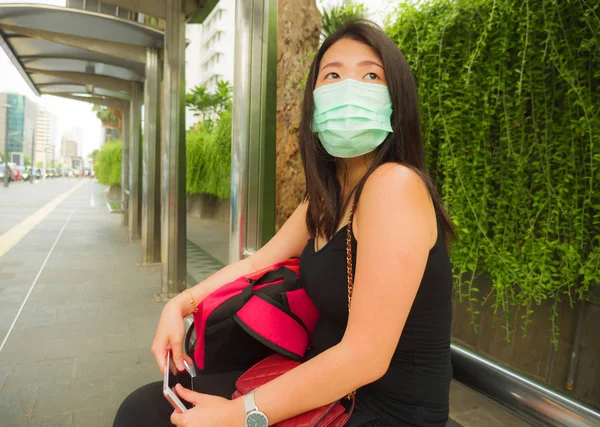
x=208 y=411
x=169 y=336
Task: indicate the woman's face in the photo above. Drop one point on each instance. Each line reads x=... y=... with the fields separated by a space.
x=350 y=59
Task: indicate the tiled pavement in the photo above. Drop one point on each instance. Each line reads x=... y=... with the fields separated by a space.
x=81 y=342
x=200 y=264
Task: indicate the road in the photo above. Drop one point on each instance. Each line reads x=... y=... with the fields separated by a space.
x=22 y=199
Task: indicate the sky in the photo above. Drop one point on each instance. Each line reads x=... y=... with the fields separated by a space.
x=377 y=8
x=72 y=114
x=69 y=113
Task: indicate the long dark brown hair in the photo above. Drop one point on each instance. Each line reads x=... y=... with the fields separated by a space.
x=404 y=145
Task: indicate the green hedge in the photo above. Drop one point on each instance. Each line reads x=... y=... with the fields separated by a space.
x=510 y=96
x=209 y=159
x=108 y=164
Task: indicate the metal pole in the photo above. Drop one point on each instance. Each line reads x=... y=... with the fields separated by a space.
x=135 y=107
x=6 y=108
x=173 y=245
x=151 y=163
x=576 y=343
x=44 y=172
x=125 y=167
x=239 y=137
x=253 y=133
x=32 y=157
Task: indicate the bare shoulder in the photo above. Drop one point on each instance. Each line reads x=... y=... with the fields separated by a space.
x=396 y=193
x=394 y=176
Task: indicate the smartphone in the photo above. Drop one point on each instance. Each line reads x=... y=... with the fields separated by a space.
x=169 y=393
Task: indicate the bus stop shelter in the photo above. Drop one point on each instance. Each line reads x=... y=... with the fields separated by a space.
x=119 y=63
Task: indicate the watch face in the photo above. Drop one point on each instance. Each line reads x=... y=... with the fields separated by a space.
x=257 y=419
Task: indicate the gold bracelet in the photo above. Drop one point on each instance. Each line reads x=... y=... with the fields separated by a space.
x=192 y=301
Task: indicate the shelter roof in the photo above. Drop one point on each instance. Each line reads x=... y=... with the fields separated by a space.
x=76 y=53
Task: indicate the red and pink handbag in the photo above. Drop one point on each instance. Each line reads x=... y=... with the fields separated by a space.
x=251 y=318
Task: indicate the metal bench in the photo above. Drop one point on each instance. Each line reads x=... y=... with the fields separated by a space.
x=115 y=207
x=527 y=399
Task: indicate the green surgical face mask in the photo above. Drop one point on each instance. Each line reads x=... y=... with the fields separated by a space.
x=352 y=118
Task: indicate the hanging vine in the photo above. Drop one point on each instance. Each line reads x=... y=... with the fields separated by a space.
x=510 y=103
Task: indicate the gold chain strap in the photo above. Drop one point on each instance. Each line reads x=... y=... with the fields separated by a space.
x=349 y=257
x=350 y=396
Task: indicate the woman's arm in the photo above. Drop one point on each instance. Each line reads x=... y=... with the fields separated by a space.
x=397 y=228
x=287 y=243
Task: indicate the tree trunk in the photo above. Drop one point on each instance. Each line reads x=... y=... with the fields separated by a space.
x=299 y=26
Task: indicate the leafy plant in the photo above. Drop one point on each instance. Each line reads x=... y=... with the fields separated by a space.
x=509 y=93
x=336 y=16
x=209 y=106
x=108 y=163
x=110 y=117
x=208 y=157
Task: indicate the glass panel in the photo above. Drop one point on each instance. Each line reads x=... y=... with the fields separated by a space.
x=16 y=122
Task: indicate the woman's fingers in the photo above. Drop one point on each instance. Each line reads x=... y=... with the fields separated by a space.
x=189 y=360
x=177 y=418
x=160 y=354
x=177 y=354
x=186 y=394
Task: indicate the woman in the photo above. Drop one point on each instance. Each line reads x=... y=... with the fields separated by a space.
x=360 y=143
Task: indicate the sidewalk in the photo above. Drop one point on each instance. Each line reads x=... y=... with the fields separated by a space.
x=82 y=341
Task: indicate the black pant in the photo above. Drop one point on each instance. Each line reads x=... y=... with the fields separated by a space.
x=148 y=407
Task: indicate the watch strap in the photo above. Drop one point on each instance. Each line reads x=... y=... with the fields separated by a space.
x=249 y=403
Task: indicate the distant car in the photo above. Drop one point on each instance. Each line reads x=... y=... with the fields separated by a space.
x=51 y=173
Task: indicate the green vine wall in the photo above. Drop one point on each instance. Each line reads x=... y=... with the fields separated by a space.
x=510 y=104
x=208 y=155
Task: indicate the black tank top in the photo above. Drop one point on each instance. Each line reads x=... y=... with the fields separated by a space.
x=415 y=389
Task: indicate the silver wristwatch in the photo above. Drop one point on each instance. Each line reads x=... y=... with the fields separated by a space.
x=254 y=417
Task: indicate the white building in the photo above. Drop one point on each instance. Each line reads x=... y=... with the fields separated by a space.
x=70 y=146
x=193 y=75
x=74 y=134
x=45 y=136
x=218 y=35
x=209 y=56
